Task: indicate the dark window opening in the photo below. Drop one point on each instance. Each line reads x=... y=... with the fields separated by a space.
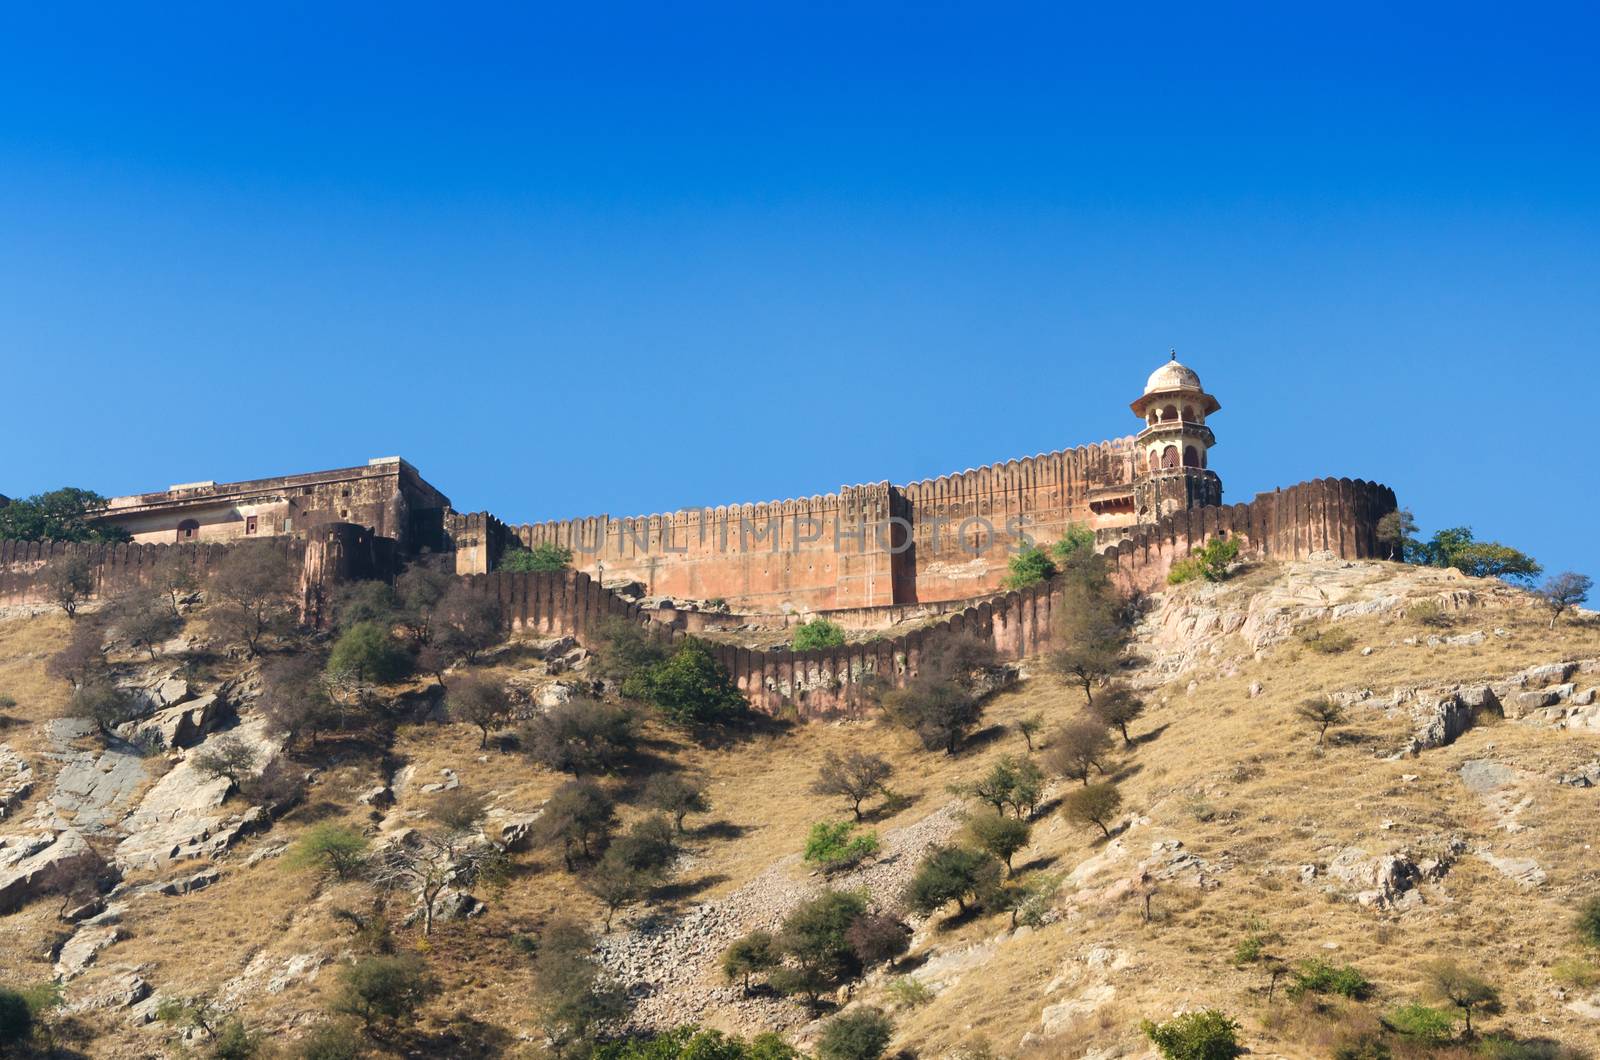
x=188 y=530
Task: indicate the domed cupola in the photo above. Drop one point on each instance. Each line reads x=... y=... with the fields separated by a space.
x=1173 y=472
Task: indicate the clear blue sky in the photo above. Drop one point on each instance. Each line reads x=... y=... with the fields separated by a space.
x=623 y=258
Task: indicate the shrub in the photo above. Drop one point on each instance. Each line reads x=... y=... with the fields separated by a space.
x=878 y=937
x=692 y=687
x=1028 y=727
x=1362 y=1047
x=480 y=702
x=573 y=993
x=1095 y=804
x=1077 y=540
x=627 y=651
x=1588 y=924
x=939 y=711
x=1029 y=567
x=818 y=633
x=907 y=991
x=1456 y=547
x=1421 y=1023
x=854 y=776
x=1210 y=562
x=143 y=619
x=647 y=847
x=103 y=703
x=951 y=874
x=16 y=1018
x=331 y=1040
x=581 y=736
x=330 y=848
x=615 y=883
x=294 y=698
x=67 y=581
x=545 y=556
x=1429 y=613
x=1117 y=706
x=676 y=795
x=367 y=601
x=1330 y=641
x=1319 y=976
x=1576 y=973
x=235 y=1041
x=859 y=1034
x=1563 y=592
x=831 y=847
x=464 y=623
x=382 y=989
x=1000 y=836
x=1207 y=1034
x=691 y=1043
x=1448 y=981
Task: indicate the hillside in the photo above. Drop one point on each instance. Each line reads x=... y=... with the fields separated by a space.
x=1404 y=839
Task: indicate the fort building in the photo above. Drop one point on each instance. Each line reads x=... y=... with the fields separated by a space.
x=864 y=546
x=386 y=495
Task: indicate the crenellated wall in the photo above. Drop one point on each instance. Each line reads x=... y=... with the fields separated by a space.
x=1339 y=516
x=940 y=539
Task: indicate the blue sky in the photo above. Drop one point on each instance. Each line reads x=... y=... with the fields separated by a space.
x=572 y=260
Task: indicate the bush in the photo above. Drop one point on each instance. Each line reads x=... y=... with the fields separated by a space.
x=627 y=651
x=330 y=848
x=859 y=1034
x=226 y=756
x=1117 y=706
x=692 y=687
x=573 y=992
x=1420 y=1023
x=250 y=594
x=813 y=941
x=1078 y=540
x=67 y=581
x=103 y=703
x=1362 y=1047
x=1330 y=641
x=382 y=989
x=878 y=937
x=16 y=1018
x=235 y=1041
x=818 y=633
x=1210 y=561
x=1207 y=1034
x=544 y=556
x=1588 y=924
x=332 y=1040
x=1319 y=976
x=907 y=991
x=1429 y=613
x=831 y=847
x=579 y=816
x=1078 y=748
x=1029 y=567
x=692 y=1043
x=581 y=736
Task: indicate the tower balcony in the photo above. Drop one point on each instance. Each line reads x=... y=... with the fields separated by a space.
x=1178 y=428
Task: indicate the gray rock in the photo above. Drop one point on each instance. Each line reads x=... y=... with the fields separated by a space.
x=16 y=781
x=93 y=791
x=516 y=831
x=33 y=865
x=81 y=950
x=378 y=796
x=1549 y=674
x=1481 y=775
x=189 y=884
x=1525 y=872
x=122 y=991
x=1448 y=719
x=180 y=726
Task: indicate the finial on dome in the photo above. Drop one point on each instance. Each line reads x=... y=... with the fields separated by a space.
x=1174 y=353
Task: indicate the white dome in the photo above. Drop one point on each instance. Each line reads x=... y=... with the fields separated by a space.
x=1172 y=376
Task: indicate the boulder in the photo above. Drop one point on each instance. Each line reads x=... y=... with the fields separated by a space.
x=16 y=781
x=516 y=831
x=81 y=950
x=176 y=727
x=1446 y=721
x=377 y=796
x=33 y=865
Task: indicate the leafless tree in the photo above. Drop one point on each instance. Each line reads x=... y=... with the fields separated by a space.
x=854 y=776
x=251 y=593
x=451 y=852
x=68 y=580
x=1079 y=747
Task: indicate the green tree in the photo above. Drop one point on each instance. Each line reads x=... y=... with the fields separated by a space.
x=1028 y=727
x=1210 y=561
x=1095 y=804
x=627 y=651
x=616 y=883
x=754 y=954
x=1205 y=1034
x=1118 y=706
x=818 y=633
x=1000 y=836
x=330 y=847
x=1457 y=547
x=693 y=688
x=1397 y=534
x=951 y=874
x=544 y=556
x=814 y=945
x=859 y=1034
x=226 y=756
x=1029 y=567
x=383 y=989
x=65 y=514
x=368 y=654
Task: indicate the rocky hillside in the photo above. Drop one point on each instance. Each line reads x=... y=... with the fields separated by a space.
x=1448 y=814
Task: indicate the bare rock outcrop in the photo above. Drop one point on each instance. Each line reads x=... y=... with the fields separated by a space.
x=37 y=864
x=16 y=781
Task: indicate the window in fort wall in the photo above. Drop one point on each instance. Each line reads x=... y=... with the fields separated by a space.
x=188 y=530
x=249 y=524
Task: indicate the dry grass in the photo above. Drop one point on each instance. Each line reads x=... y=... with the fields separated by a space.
x=1237 y=779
